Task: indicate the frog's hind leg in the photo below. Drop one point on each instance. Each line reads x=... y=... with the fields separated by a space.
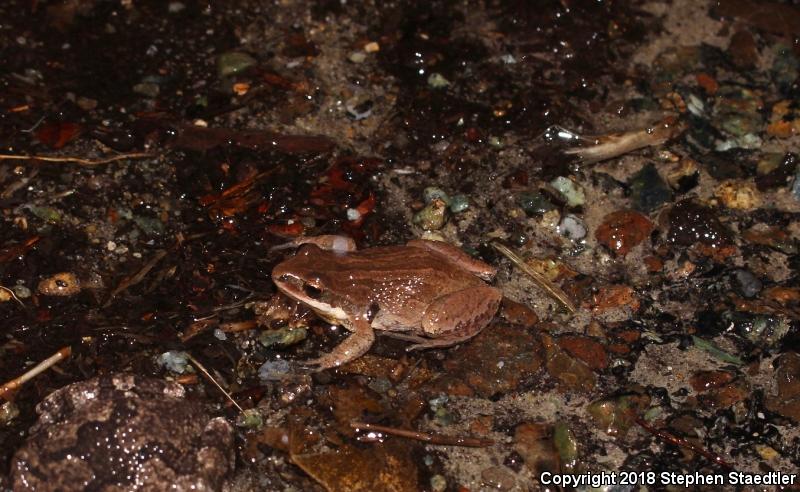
x=354 y=346
x=456 y=256
x=459 y=316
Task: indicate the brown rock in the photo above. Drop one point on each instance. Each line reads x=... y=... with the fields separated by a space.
x=615 y=296
x=590 y=351
x=622 y=230
x=742 y=50
x=707 y=380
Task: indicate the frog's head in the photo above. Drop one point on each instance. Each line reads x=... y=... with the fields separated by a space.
x=305 y=278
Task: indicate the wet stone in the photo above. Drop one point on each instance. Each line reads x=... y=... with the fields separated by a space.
x=623 y=230
x=743 y=50
x=746 y=284
x=739 y=195
x=233 y=62
x=498 y=360
x=572 y=227
x=115 y=431
x=534 y=442
x=786 y=399
x=615 y=415
x=648 y=190
x=534 y=203
x=691 y=223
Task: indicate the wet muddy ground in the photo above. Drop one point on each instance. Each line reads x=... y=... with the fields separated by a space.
x=175 y=143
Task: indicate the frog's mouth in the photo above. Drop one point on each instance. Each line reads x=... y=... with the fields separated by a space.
x=310 y=295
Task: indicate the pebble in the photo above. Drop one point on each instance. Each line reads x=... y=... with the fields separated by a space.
x=62 y=284
x=572 y=227
x=534 y=203
x=691 y=223
x=437 y=81
x=499 y=478
x=747 y=284
x=174 y=360
x=432 y=193
x=5 y=295
x=648 y=190
x=739 y=195
x=283 y=337
x=21 y=291
x=274 y=370
x=623 y=230
x=571 y=192
x=438 y=483
x=233 y=62
x=459 y=203
x=433 y=216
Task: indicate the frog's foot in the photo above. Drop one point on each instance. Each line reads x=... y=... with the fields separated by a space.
x=459 y=316
x=356 y=345
x=330 y=242
x=456 y=256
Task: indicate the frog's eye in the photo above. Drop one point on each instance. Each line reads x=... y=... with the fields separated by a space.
x=312 y=291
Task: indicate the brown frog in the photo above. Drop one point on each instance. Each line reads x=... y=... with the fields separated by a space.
x=429 y=289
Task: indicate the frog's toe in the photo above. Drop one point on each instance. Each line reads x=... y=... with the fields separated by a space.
x=321 y=363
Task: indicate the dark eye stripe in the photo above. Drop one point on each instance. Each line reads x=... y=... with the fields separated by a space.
x=311 y=291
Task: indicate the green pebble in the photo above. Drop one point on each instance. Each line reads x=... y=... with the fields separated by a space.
x=432 y=193
x=283 y=337
x=459 y=203
x=570 y=190
x=437 y=81
x=233 y=62
x=432 y=217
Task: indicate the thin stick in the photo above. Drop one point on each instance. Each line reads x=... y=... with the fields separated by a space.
x=128 y=282
x=683 y=443
x=12 y=294
x=438 y=439
x=211 y=378
x=39 y=368
x=551 y=289
x=77 y=160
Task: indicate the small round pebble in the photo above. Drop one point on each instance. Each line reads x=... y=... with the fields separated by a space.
x=62 y=284
x=747 y=284
x=572 y=227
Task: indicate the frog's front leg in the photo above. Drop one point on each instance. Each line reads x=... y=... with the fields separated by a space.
x=329 y=242
x=459 y=316
x=356 y=345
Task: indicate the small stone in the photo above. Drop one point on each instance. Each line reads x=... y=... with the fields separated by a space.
x=739 y=195
x=437 y=81
x=743 y=50
x=233 y=62
x=587 y=349
x=357 y=57
x=615 y=296
x=616 y=415
x=8 y=412
x=571 y=192
x=683 y=175
x=691 y=223
x=623 y=230
x=534 y=203
x=21 y=291
x=438 y=483
x=372 y=47
x=274 y=370
x=147 y=89
x=572 y=227
x=283 y=337
x=432 y=217
x=432 y=193
x=499 y=478
x=62 y=284
x=174 y=360
x=648 y=190
x=747 y=284
x=459 y=203
x=5 y=295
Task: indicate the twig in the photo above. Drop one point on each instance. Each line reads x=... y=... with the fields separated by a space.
x=137 y=277
x=77 y=160
x=551 y=289
x=211 y=378
x=683 y=443
x=39 y=368
x=13 y=295
x=438 y=439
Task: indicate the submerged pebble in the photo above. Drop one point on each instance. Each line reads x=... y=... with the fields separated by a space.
x=62 y=284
